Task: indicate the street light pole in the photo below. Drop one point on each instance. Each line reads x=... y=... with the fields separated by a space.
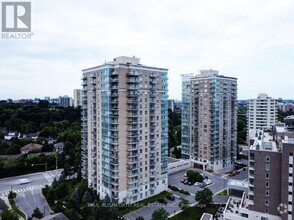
x=56 y=166
x=40 y=164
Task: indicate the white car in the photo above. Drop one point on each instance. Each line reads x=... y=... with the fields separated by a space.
x=207 y=181
x=24 y=181
x=197 y=183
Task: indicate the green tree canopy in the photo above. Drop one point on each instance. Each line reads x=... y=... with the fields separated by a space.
x=160 y=214
x=204 y=197
x=194 y=176
x=37 y=213
x=9 y=214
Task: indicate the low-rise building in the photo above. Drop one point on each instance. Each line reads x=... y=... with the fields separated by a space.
x=32 y=147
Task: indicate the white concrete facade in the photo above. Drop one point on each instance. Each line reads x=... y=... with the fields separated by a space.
x=262 y=112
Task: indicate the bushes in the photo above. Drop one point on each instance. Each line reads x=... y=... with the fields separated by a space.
x=184 y=192
x=14 y=207
x=161 y=200
x=174 y=188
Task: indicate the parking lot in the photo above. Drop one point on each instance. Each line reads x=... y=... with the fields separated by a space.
x=219 y=181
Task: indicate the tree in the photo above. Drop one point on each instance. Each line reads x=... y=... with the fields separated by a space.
x=11 y=195
x=177 y=152
x=75 y=196
x=140 y=218
x=87 y=198
x=194 y=176
x=204 y=197
x=160 y=214
x=54 y=183
x=184 y=203
x=61 y=190
x=51 y=195
x=43 y=104
x=82 y=188
x=37 y=213
x=9 y=214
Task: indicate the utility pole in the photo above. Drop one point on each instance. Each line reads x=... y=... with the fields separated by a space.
x=56 y=164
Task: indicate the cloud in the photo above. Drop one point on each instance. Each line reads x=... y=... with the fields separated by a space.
x=251 y=40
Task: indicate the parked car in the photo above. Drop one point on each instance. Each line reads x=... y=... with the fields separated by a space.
x=186 y=182
x=183 y=180
x=202 y=185
x=190 y=183
x=231 y=174
x=197 y=183
x=207 y=181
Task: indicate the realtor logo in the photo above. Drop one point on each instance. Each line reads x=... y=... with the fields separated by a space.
x=16 y=17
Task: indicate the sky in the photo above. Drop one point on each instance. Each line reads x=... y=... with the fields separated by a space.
x=248 y=39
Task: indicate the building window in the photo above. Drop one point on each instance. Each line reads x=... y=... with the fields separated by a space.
x=267 y=175
x=266 y=202
x=266 y=211
x=267 y=184
x=267 y=158
x=267 y=167
x=266 y=192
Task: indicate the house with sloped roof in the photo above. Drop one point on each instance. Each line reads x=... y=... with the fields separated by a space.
x=32 y=147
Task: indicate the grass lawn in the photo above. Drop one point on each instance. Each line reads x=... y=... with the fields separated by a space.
x=223 y=193
x=130 y=208
x=194 y=213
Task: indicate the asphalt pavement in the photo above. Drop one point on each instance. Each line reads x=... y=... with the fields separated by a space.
x=29 y=195
x=219 y=184
x=29 y=200
x=37 y=180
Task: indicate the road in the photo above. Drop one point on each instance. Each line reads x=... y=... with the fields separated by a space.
x=29 y=195
x=38 y=180
x=29 y=200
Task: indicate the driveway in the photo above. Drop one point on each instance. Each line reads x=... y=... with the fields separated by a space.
x=28 y=201
x=243 y=174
